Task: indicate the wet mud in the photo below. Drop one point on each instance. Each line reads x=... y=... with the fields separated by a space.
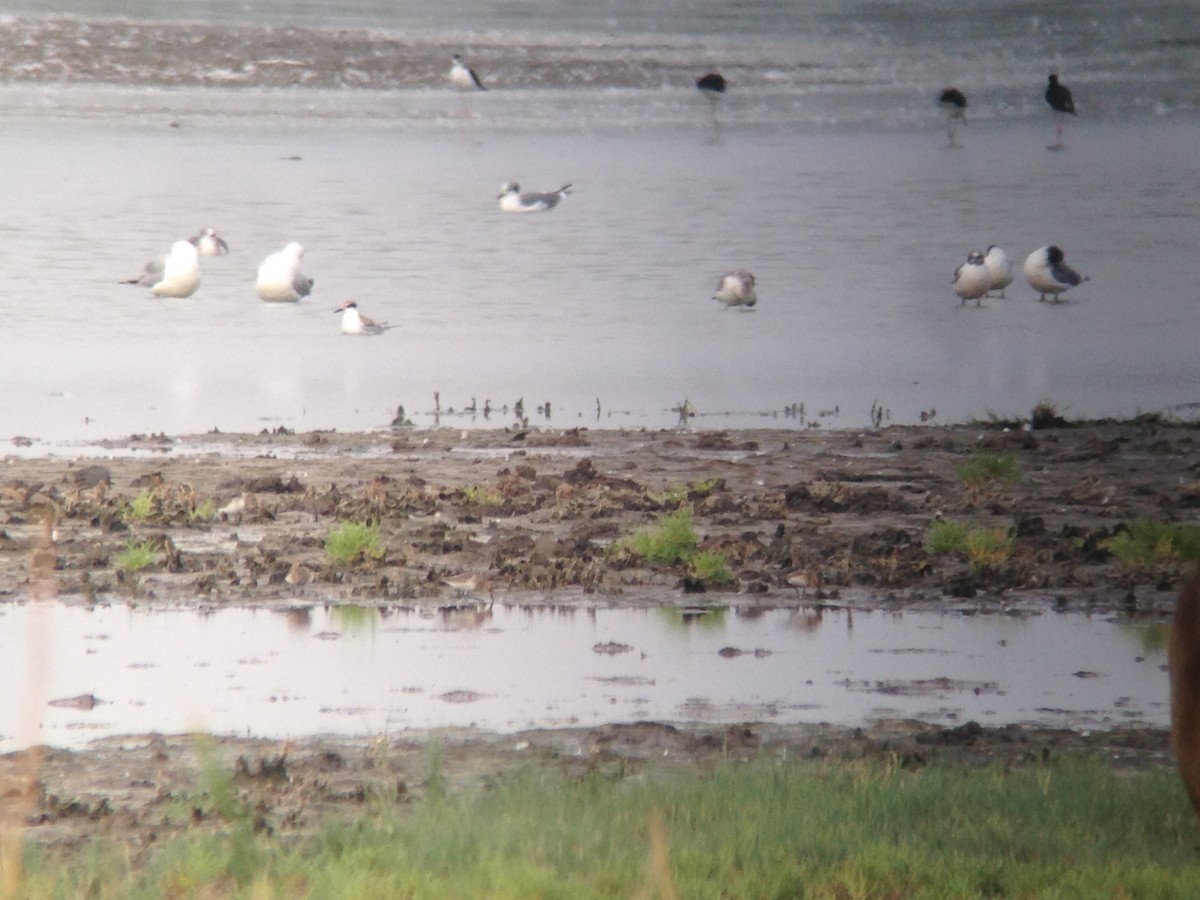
x=537 y=517
x=807 y=519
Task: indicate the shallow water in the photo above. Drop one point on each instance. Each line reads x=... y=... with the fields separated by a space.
x=824 y=170
x=356 y=671
x=603 y=305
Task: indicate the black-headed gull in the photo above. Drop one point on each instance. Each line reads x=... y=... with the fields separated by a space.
x=999 y=269
x=208 y=243
x=736 y=289
x=971 y=279
x=1048 y=273
x=512 y=200
x=279 y=279
x=354 y=322
x=175 y=275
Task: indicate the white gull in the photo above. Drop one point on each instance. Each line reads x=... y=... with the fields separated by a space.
x=175 y=275
x=279 y=279
x=512 y=200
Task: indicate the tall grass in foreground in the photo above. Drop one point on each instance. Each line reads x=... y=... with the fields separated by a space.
x=761 y=830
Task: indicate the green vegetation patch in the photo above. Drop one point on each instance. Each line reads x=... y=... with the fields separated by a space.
x=352 y=542
x=672 y=540
x=987 y=469
x=980 y=546
x=141 y=508
x=136 y=556
x=1075 y=828
x=1145 y=544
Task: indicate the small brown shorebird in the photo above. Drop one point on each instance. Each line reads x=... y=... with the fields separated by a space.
x=802 y=579
x=466 y=584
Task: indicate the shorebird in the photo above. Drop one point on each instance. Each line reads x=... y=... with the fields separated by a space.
x=463 y=76
x=464 y=584
x=736 y=289
x=954 y=102
x=354 y=322
x=208 y=243
x=1049 y=274
x=175 y=275
x=999 y=269
x=279 y=279
x=512 y=200
x=1059 y=98
x=971 y=279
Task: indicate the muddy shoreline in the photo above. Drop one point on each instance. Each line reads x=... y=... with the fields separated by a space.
x=236 y=520
x=243 y=519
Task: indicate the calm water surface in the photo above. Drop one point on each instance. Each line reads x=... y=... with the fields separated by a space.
x=354 y=671
x=824 y=171
x=853 y=237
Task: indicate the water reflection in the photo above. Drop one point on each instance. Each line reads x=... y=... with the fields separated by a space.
x=371 y=670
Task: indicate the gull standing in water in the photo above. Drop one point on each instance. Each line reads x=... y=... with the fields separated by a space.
x=736 y=289
x=279 y=279
x=208 y=243
x=971 y=279
x=1048 y=273
x=999 y=269
x=1059 y=98
x=512 y=200
x=354 y=322
x=954 y=102
x=175 y=275
x=463 y=76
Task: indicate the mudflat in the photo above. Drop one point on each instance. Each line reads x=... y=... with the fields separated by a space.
x=807 y=517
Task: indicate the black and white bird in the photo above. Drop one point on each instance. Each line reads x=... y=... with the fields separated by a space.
x=208 y=243
x=354 y=322
x=736 y=288
x=463 y=76
x=971 y=279
x=1060 y=100
x=999 y=269
x=1048 y=273
x=512 y=200
x=954 y=103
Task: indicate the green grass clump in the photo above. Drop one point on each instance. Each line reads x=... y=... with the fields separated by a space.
x=981 y=547
x=988 y=546
x=351 y=542
x=136 y=556
x=711 y=568
x=672 y=540
x=203 y=512
x=946 y=536
x=1076 y=828
x=986 y=469
x=140 y=509
x=1146 y=544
